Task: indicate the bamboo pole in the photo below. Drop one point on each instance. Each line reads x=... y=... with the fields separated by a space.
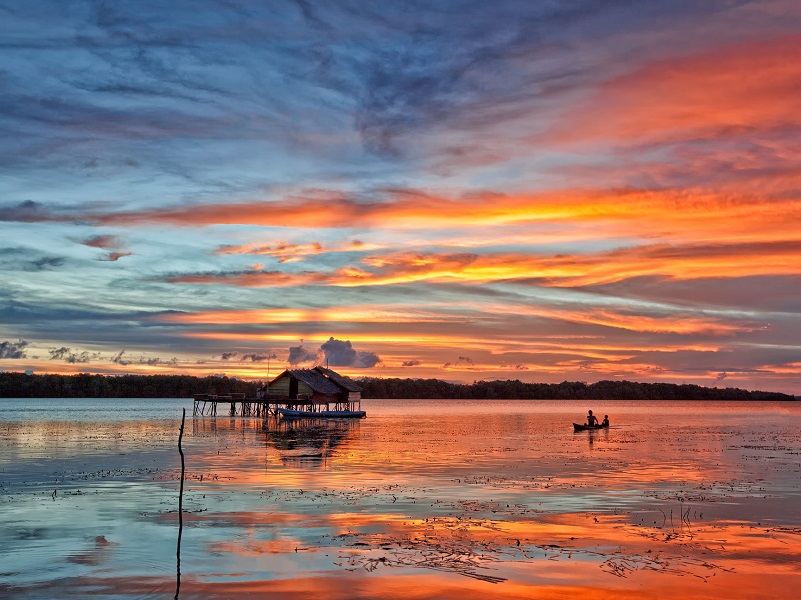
x=180 y=509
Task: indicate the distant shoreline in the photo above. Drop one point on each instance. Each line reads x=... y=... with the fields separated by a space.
x=85 y=385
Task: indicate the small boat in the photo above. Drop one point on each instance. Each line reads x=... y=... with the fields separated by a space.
x=577 y=427
x=321 y=414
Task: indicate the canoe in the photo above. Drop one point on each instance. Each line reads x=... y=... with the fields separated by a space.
x=327 y=414
x=577 y=427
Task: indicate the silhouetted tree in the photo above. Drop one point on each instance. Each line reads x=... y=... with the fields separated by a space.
x=84 y=385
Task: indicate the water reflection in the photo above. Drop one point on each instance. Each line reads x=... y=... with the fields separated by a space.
x=592 y=435
x=307 y=442
x=495 y=499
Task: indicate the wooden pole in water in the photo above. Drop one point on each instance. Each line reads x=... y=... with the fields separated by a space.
x=180 y=509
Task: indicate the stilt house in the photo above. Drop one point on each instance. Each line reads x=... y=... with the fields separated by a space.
x=314 y=388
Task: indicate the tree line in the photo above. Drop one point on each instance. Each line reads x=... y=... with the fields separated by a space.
x=376 y=387
x=85 y=385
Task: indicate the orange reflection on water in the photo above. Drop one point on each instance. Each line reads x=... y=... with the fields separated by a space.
x=256 y=547
x=420 y=500
x=439 y=586
x=538 y=555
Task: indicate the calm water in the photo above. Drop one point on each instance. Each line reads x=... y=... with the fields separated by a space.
x=423 y=500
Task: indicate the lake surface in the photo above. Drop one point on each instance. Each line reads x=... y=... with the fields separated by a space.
x=422 y=500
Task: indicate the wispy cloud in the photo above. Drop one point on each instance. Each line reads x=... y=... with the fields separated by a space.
x=118 y=359
x=112 y=243
x=9 y=349
x=67 y=355
x=107 y=242
x=282 y=252
x=671 y=214
x=678 y=262
x=257 y=358
x=552 y=190
x=735 y=91
x=27 y=211
x=28 y=260
x=461 y=363
x=114 y=256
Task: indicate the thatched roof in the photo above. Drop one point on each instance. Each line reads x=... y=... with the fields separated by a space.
x=342 y=381
x=315 y=380
x=322 y=380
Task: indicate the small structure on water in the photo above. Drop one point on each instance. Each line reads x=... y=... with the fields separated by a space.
x=314 y=392
x=317 y=392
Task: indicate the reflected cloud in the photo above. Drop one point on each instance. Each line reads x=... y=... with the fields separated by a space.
x=308 y=442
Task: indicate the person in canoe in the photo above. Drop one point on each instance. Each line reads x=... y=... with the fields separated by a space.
x=592 y=420
x=605 y=422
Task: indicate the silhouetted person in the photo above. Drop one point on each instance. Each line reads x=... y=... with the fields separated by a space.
x=605 y=422
x=592 y=420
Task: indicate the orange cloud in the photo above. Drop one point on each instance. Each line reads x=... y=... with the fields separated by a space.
x=637 y=319
x=351 y=314
x=735 y=90
x=678 y=262
x=560 y=215
x=282 y=251
x=500 y=343
x=629 y=319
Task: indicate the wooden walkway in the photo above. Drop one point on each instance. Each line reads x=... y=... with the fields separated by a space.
x=237 y=405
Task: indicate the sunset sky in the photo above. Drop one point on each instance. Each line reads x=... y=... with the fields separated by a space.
x=543 y=191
